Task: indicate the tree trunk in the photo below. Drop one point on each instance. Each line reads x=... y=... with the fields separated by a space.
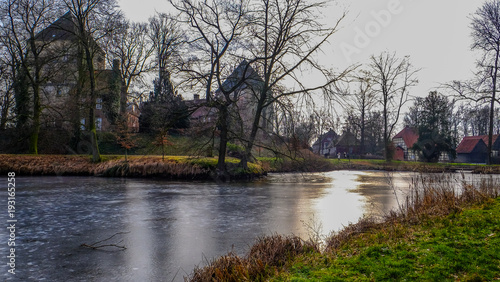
x=253 y=135
x=37 y=109
x=96 y=157
x=386 y=138
x=492 y=110
x=222 y=173
x=362 y=143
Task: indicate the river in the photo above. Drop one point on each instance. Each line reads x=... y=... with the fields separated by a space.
x=168 y=228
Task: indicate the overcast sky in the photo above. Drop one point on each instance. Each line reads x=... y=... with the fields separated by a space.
x=435 y=34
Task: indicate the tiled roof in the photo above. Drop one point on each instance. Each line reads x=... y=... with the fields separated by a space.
x=409 y=136
x=485 y=138
x=469 y=143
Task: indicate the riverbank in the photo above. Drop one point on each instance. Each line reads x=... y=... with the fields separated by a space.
x=202 y=168
x=170 y=167
x=360 y=164
x=442 y=234
x=314 y=163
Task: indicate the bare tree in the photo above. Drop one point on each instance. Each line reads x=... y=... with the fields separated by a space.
x=391 y=77
x=133 y=50
x=22 y=20
x=486 y=38
x=93 y=20
x=361 y=99
x=216 y=26
x=286 y=36
x=167 y=38
x=6 y=93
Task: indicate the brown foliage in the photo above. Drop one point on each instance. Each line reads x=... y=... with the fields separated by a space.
x=429 y=196
x=266 y=257
x=82 y=166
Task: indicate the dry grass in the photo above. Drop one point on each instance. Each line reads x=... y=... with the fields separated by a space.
x=266 y=257
x=440 y=195
x=338 y=239
x=142 y=167
x=429 y=196
x=183 y=168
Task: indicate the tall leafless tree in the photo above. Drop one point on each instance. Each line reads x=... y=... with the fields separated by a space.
x=133 y=50
x=286 y=36
x=6 y=91
x=22 y=20
x=93 y=21
x=216 y=26
x=486 y=39
x=360 y=99
x=391 y=77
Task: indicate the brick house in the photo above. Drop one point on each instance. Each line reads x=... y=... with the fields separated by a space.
x=325 y=144
x=243 y=109
x=348 y=144
x=65 y=104
x=474 y=149
x=404 y=141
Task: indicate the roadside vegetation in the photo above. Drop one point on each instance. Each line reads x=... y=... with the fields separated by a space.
x=446 y=230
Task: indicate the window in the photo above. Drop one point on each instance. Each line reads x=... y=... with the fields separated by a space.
x=98 y=124
x=82 y=124
x=98 y=106
x=98 y=103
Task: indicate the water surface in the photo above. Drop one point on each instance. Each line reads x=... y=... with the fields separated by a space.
x=170 y=227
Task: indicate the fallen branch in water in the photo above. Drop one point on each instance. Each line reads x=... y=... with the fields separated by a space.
x=97 y=245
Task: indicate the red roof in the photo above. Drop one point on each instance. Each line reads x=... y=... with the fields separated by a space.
x=485 y=138
x=469 y=143
x=409 y=136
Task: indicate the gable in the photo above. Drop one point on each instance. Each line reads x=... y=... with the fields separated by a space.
x=409 y=136
x=471 y=144
x=244 y=71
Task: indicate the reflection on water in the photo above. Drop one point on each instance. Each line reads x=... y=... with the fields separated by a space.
x=169 y=227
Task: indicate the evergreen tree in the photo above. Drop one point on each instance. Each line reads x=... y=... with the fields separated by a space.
x=165 y=110
x=431 y=116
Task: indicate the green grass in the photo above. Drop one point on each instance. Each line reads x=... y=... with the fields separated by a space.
x=463 y=246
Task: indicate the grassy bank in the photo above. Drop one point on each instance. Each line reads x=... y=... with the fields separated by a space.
x=171 y=167
x=316 y=163
x=440 y=234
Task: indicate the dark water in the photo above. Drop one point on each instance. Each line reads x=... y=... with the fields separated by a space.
x=168 y=227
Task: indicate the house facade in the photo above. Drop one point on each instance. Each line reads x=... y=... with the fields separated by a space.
x=325 y=144
x=404 y=141
x=67 y=103
x=347 y=144
x=246 y=84
x=474 y=149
